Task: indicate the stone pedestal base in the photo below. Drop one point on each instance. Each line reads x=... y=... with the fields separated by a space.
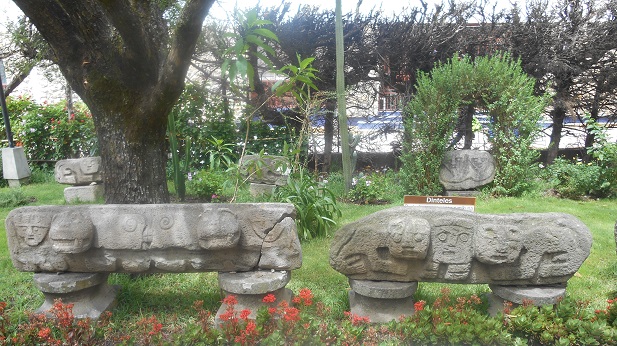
x=250 y=288
x=15 y=167
x=381 y=301
x=88 y=292
x=536 y=295
x=88 y=193
x=258 y=190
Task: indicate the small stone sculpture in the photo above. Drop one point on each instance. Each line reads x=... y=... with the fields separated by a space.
x=466 y=169
x=81 y=171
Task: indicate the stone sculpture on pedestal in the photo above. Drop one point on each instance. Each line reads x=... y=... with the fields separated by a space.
x=409 y=244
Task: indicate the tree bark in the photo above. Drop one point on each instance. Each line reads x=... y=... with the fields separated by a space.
x=558 y=114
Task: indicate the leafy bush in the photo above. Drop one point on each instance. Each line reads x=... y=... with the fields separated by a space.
x=206 y=184
x=316 y=206
x=569 y=322
x=375 y=187
x=305 y=321
x=577 y=180
x=198 y=119
x=496 y=84
x=47 y=132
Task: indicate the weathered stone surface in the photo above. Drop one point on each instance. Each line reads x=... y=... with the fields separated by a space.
x=446 y=245
x=260 y=190
x=257 y=282
x=383 y=289
x=15 y=167
x=88 y=292
x=380 y=310
x=79 y=171
x=537 y=295
x=268 y=169
x=466 y=169
x=154 y=238
x=87 y=193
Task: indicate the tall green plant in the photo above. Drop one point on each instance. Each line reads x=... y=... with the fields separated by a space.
x=316 y=206
x=179 y=170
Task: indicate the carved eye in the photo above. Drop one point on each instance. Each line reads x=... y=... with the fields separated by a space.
x=443 y=236
x=464 y=237
x=419 y=238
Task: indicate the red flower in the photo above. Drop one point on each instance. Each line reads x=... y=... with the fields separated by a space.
x=419 y=305
x=244 y=314
x=44 y=333
x=230 y=300
x=269 y=298
x=291 y=314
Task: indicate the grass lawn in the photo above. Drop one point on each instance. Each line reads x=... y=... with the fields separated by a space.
x=171 y=296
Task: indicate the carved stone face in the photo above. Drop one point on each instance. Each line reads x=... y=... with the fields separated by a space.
x=65 y=173
x=452 y=244
x=32 y=227
x=89 y=165
x=219 y=229
x=409 y=238
x=71 y=232
x=559 y=251
x=496 y=244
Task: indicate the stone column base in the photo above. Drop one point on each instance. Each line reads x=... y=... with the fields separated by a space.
x=462 y=193
x=88 y=292
x=250 y=288
x=536 y=295
x=381 y=301
x=88 y=193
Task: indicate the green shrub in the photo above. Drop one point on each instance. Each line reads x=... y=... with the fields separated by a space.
x=577 y=180
x=48 y=133
x=496 y=84
x=568 y=323
x=206 y=184
x=375 y=187
x=15 y=197
x=316 y=206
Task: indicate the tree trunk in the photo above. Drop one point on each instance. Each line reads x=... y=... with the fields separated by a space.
x=558 y=114
x=328 y=134
x=594 y=113
x=134 y=161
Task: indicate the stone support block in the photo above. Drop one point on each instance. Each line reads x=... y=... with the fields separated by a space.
x=250 y=288
x=88 y=292
x=381 y=301
x=535 y=295
x=89 y=193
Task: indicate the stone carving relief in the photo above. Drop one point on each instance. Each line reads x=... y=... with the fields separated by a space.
x=267 y=169
x=466 y=169
x=81 y=171
x=431 y=244
x=154 y=238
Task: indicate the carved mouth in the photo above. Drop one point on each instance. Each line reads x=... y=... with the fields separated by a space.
x=558 y=257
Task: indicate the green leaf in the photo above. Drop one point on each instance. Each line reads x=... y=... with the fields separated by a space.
x=266 y=33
